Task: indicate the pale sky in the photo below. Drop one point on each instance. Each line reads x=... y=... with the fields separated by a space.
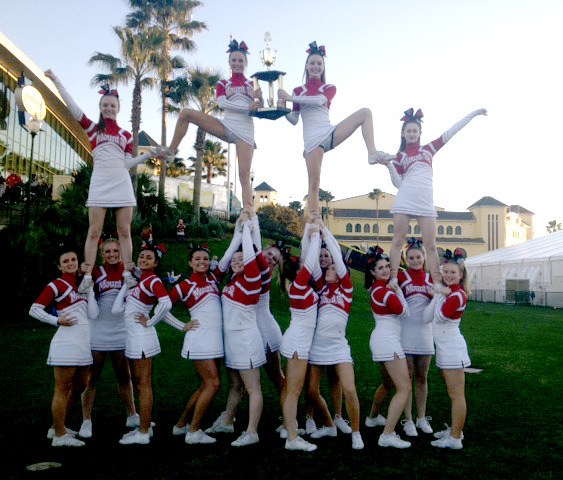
x=447 y=57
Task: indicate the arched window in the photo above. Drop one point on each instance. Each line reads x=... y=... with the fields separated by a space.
x=358 y=228
x=409 y=231
x=348 y=228
x=375 y=228
x=416 y=230
x=449 y=230
x=366 y=228
x=458 y=230
x=440 y=230
x=390 y=228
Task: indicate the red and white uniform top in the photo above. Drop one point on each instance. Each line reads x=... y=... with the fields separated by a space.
x=416 y=286
x=62 y=293
x=141 y=298
x=265 y=273
x=240 y=296
x=112 y=145
x=385 y=303
x=108 y=279
x=450 y=309
x=335 y=302
x=234 y=97
x=303 y=299
x=312 y=101
x=200 y=294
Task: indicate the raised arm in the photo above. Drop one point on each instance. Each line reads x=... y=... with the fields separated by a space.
x=131 y=162
x=119 y=303
x=233 y=247
x=448 y=134
x=93 y=309
x=312 y=256
x=74 y=109
x=396 y=177
x=335 y=252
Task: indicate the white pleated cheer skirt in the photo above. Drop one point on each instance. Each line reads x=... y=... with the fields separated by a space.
x=385 y=340
x=203 y=343
x=70 y=346
x=415 y=201
x=329 y=351
x=107 y=331
x=111 y=187
x=416 y=337
x=267 y=324
x=140 y=341
x=451 y=348
x=244 y=349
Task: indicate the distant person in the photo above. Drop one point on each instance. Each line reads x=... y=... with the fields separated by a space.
x=312 y=101
x=411 y=173
x=181 y=231
x=236 y=97
x=69 y=352
x=445 y=312
x=110 y=185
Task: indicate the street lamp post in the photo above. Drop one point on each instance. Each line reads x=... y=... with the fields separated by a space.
x=34 y=126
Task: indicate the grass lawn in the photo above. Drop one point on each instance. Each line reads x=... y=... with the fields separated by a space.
x=513 y=430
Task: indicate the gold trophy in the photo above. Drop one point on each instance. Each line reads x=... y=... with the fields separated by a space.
x=274 y=110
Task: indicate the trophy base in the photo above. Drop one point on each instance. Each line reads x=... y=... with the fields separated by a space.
x=270 y=113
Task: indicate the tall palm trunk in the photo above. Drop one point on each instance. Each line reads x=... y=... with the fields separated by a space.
x=136 y=126
x=199 y=145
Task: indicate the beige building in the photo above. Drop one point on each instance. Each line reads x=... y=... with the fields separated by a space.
x=263 y=194
x=486 y=225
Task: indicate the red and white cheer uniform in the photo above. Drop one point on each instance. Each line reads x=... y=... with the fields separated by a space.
x=234 y=97
x=416 y=334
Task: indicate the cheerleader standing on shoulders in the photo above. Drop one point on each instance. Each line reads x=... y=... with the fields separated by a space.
x=411 y=173
x=416 y=334
x=110 y=185
x=141 y=343
x=385 y=341
x=69 y=352
x=203 y=342
x=330 y=346
x=296 y=343
x=107 y=338
x=244 y=351
x=445 y=312
x=236 y=97
x=312 y=101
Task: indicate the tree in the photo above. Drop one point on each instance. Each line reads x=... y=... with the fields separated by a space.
x=376 y=194
x=297 y=206
x=553 y=226
x=197 y=90
x=214 y=161
x=172 y=18
x=136 y=65
x=327 y=197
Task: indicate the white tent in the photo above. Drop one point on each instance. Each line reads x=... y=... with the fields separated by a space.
x=531 y=272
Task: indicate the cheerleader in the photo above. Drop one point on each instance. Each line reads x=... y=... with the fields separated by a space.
x=330 y=346
x=244 y=351
x=236 y=97
x=385 y=341
x=69 y=352
x=313 y=100
x=416 y=335
x=107 y=338
x=411 y=173
x=445 y=312
x=203 y=342
x=141 y=342
x=303 y=273
x=110 y=185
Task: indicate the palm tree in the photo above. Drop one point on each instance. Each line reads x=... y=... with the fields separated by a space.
x=198 y=91
x=138 y=54
x=214 y=161
x=327 y=197
x=376 y=194
x=173 y=18
x=297 y=206
x=553 y=226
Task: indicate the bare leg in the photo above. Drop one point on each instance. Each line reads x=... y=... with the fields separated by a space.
x=236 y=392
x=421 y=367
x=89 y=392
x=244 y=154
x=408 y=406
x=314 y=161
x=382 y=393
x=428 y=231
x=61 y=397
x=251 y=380
x=455 y=383
x=96 y=216
x=123 y=218
x=210 y=124
x=314 y=392
x=345 y=373
x=209 y=373
x=361 y=118
x=335 y=389
x=143 y=378
x=401 y=226
x=124 y=385
x=296 y=371
x=399 y=373
x=274 y=370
